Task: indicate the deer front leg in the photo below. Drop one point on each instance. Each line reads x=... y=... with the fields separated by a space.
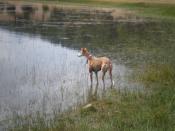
x=91 y=78
x=91 y=73
x=110 y=74
x=96 y=74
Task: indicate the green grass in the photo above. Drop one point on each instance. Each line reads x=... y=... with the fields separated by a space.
x=157 y=74
x=152 y=9
x=152 y=109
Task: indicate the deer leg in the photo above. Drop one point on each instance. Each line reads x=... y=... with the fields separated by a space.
x=96 y=74
x=103 y=75
x=110 y=74
x=91 y=78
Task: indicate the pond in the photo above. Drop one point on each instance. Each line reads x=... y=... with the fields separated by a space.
x=39 y=68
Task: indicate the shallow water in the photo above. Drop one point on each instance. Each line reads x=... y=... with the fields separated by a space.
x=41 y=72
x=39 y=67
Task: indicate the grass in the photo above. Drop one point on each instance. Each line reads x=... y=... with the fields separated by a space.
x=166 y=11
x=152 y=109
x=158 y=74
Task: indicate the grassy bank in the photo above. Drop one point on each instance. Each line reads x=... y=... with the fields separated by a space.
x=154 y=9
x=151 y=109
x=165 y=11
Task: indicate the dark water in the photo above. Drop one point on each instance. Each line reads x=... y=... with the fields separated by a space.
x=39 y=67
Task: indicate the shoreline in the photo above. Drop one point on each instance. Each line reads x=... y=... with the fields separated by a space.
x=145 y=9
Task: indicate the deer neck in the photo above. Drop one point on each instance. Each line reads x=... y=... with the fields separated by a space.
x=88 y=56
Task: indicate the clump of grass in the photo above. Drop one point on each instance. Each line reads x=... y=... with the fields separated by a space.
x=160 y=74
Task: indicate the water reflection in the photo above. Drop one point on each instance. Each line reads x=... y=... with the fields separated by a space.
x=92 y=94
x=41 y=12
x=36 y=76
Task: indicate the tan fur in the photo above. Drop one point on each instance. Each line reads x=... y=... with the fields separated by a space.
x=98 y=64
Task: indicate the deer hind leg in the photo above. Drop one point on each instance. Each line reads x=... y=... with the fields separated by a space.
x=104 y=70
x=110 y=74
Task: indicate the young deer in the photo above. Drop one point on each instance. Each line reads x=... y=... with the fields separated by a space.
x=97 y=64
